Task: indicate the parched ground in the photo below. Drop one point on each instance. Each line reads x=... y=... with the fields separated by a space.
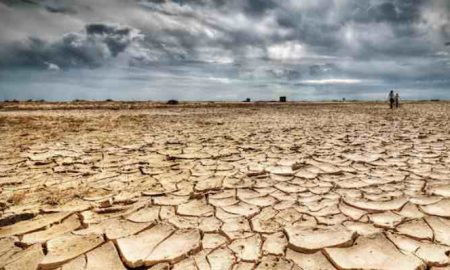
x=224 y=186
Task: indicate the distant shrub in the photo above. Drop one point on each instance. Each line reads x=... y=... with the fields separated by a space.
x=435 y=100
x=15 y=101
x=172 y=102
x=247 y=100
x=109 y=100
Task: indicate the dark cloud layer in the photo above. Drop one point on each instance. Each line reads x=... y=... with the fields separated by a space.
x=315 y=44
x=93 y=47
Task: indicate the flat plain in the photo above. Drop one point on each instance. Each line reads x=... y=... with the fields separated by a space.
x=313 y=186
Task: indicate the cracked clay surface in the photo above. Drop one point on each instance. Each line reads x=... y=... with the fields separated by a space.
x=228 y=186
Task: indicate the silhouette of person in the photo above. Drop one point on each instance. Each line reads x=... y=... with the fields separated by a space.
x=397 y=100
x=391 y=99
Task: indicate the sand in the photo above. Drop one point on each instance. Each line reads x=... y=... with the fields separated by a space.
x=110 y=185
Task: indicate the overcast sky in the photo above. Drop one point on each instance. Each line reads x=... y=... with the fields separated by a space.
x=224 y=49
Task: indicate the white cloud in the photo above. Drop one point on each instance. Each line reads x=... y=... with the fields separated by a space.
x=332 y=81
x=286 y=51
x=52 y=67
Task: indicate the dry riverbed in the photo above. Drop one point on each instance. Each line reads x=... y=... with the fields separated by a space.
x=224 y=186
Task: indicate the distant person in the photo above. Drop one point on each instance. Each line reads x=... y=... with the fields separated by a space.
x=391 y=99
x=397 y=100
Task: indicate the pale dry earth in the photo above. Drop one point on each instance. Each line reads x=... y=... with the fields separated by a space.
x=268 y=186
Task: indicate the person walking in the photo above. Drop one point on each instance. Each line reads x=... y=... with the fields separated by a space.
x=391 y=99
x=397 y=100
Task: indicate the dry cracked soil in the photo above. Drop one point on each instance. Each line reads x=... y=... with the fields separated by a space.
x=224 y=186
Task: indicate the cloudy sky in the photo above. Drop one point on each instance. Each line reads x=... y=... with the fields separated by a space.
x=224 y=49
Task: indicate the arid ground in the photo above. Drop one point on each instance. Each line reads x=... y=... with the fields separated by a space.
x=224 y=186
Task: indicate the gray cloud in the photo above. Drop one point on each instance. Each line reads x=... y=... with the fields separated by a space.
x=92 y=47
x=271 y=43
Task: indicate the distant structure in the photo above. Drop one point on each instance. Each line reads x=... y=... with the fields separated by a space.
x=172 y=102
x=343 y=99
x=283 y=99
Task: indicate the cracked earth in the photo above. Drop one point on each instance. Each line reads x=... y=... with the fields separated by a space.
x=294 y=186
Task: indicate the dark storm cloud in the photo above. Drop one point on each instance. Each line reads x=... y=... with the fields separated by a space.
x=92 y=47
x=56 y=6
x=259 y=6
x=308 y=42
x=350 y=28
x=399 y=11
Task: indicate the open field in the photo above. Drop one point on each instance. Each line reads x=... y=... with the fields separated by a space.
x=224 y=186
